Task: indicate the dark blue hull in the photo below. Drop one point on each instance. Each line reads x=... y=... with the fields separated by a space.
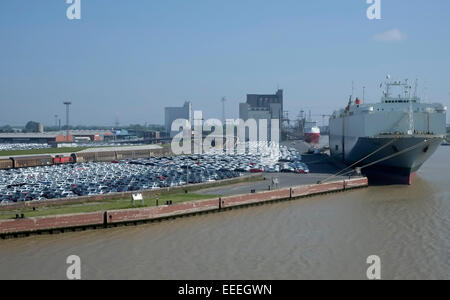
x=408 y=153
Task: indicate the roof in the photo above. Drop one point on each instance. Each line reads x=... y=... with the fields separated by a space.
x=122 y=148
x=29 y=135
x=52 y=134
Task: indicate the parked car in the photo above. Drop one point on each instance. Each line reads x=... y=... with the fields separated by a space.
x=94 y=178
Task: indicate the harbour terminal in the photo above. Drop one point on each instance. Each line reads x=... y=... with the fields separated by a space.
x=97 y=166
x=107 y=166
x=72 y=180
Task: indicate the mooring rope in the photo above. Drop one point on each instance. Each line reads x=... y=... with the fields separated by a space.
x=359 y=161
x=387 y=157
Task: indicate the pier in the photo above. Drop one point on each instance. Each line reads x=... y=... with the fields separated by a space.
x=22 y=227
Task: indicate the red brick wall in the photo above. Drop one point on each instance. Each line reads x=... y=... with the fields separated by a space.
x=255 y=198
x=317 y=188
x=360 y=182
x=51 y=222
x=137 y=214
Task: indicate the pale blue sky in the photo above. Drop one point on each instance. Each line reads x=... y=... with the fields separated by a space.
x=130 y=59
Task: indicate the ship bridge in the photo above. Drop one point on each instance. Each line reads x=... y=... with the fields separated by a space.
x=405 y=93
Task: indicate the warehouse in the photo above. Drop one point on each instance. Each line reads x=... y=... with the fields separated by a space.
x=54 y=137
x=38 y=138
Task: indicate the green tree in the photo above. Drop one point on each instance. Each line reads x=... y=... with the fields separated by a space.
x=6 y=129
x=31 y=127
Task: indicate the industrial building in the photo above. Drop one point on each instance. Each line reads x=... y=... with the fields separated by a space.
x=33 y=137
x=266 y=107
x=174 y=113
x=151 y=135
x=55 y=137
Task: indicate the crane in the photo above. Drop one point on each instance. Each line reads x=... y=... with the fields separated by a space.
x=223 y=100
x=323 y=118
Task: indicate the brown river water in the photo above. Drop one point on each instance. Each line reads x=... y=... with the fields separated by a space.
x=326 y=237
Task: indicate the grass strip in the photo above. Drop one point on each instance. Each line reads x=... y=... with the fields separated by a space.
x=104 y=205
x=178 y=196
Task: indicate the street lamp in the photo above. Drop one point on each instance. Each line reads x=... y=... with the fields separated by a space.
x=67 y=104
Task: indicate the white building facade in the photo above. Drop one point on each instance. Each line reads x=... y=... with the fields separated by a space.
x=174 y=113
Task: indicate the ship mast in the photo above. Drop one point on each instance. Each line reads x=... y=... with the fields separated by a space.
x=411 y=119
x=353 y=90
x=410 y=100
x=364 y=94
x=411 y=113
x=415 y=88
x=388 y=86
x=406 y=97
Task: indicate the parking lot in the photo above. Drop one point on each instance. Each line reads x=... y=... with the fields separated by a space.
x=320 y=168
x=72 y=180
x=19 y=147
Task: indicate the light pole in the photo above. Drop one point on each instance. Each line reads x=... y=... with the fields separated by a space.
x=223 y=109
x=67 y=104
x=364 y=94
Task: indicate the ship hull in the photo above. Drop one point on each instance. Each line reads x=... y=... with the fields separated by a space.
x=312 y=138
x=408 y=153
x=389 y=175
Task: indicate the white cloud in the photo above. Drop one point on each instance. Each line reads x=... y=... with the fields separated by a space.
x=393 y=35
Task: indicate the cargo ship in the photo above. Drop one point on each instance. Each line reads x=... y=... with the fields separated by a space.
x=388 y=141
x=311 y=132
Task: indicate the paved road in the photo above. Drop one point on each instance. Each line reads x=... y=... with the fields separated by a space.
x=320 y=168
x=320 y=165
